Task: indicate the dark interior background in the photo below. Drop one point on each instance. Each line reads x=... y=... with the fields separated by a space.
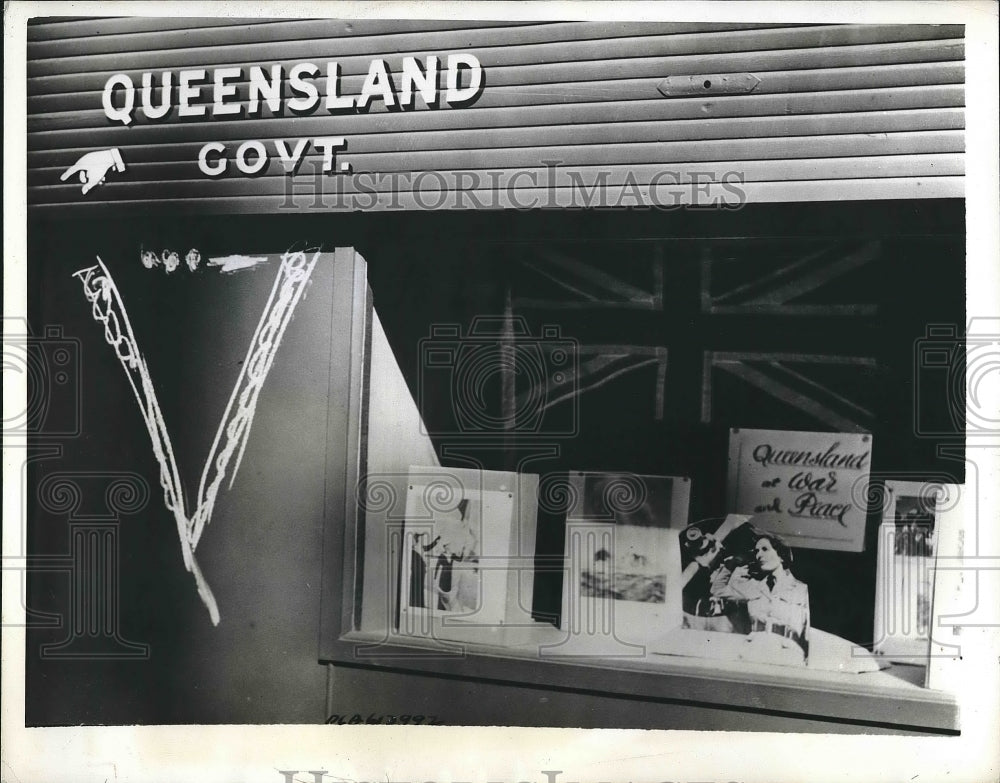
x=429 y=269
x=916 y=281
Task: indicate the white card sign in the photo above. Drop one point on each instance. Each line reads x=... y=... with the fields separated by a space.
x=808 y=487
x=915 y=514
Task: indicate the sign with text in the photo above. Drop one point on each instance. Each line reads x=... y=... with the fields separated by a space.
x=802 y=485
x=302 y=89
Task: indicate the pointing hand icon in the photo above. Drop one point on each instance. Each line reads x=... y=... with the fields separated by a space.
x=93 y=166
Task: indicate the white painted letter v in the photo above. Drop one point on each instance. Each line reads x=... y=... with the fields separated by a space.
x=234 y=429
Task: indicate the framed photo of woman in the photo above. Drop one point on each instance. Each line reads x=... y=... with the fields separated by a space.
x=740 y=579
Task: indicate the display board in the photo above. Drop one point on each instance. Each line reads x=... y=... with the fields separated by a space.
x=810 y=487
x=920 y=523
x=192 y=428
x=466 y=569
x=621 y=584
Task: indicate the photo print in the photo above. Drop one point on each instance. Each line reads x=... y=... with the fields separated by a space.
x=462 y=533
x=621 y=553
x=444 y=561
x=913 y=521
x=442 y=544
x=634 y=566
x=740 y=579
x=904 y=587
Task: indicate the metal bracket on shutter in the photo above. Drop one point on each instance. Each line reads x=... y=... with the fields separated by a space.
x=708 y=84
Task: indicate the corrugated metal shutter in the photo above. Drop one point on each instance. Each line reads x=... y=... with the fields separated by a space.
x=840 y=112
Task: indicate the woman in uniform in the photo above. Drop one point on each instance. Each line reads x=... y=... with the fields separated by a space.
x=748 y=591
x=776 y=602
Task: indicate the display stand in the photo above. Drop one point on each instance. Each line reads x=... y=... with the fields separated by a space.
x=361 y=610
x=877 y=699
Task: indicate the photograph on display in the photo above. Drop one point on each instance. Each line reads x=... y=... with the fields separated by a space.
x=440 y=568
x=740 y=579
x=904 y=597
x=621 y=566
x=458 y=536
x=444 y=571
x=625 y=573
x=634 y=567
x=913 y=521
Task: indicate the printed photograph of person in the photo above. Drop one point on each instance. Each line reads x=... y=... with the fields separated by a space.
x=914 y=521
x=739 y=579
x=443 y=571
x=634 y=565
x=904 y=600
x=419 y=584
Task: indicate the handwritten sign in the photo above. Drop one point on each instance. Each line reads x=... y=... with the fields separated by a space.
x=804 y=486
